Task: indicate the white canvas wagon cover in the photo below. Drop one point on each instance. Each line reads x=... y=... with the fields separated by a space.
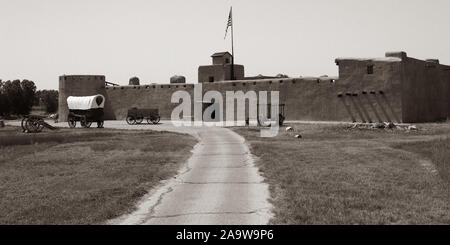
x=86 y=102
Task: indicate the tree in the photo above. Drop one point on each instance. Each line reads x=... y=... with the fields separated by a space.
x=16 y=97
x=49 y=99
x=28 y=94
x=4 y=103
x=13 y=93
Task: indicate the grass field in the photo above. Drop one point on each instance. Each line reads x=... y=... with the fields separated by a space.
x=82 y=176
x=337 y=175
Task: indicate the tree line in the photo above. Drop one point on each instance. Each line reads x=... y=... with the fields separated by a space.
x=18 y=97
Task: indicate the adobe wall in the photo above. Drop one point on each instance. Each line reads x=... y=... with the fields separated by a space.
x=371 y=97
x=446 y=81
x=304 y=98
x=145 y=96
x=425 y=91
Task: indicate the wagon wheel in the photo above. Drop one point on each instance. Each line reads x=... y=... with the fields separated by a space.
x=85 y=124
x=72 y=122
x=131 y=120
x=281 y=119
x=139 y=120
x=264 y=123
x=100 y=124
x=154 y=120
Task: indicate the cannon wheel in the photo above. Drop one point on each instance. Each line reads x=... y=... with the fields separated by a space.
x=23 y=124
x=131 y=120
x=32 y=124
x=139 y=120
x=154 y=120
x=72 y=122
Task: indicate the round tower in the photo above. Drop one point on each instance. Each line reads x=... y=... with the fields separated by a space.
x=77 y=85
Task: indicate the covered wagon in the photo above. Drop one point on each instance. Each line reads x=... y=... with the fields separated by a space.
x=86 y=109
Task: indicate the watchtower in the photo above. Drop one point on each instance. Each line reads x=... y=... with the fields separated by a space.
x=221 y=58
x=220 y=70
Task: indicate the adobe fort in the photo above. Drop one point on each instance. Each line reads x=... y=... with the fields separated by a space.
x=394 y=88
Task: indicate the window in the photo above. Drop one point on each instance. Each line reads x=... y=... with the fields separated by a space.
x=211 y=79
x=227 y=61
x=370 y=69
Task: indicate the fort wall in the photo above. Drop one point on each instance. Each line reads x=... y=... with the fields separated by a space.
x=145 y=96
x=394 y=88
x=304 y=98
x=425 y=91
x=371 y=96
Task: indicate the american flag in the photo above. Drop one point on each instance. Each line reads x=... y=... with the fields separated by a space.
x=230 y=21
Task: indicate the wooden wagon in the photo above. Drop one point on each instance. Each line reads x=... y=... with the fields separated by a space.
x=137 y=116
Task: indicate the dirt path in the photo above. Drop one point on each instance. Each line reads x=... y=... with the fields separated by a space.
x=218 y=185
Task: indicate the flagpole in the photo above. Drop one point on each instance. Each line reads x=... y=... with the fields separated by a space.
x=232 y=45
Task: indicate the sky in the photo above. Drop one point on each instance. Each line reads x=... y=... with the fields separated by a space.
x=154 y=40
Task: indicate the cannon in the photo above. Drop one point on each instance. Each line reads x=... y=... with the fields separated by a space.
x=34 y=124
x=86 y=109
x=136 y=116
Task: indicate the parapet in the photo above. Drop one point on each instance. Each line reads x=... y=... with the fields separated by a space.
x=82 y=77
x=389 y=57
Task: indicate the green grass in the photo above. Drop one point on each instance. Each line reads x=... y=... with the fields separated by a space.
x=336 y=175
x=82 y=176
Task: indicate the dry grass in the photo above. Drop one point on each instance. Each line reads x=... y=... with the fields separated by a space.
x=83 y=176
x=334 y=175
x=438 y=151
